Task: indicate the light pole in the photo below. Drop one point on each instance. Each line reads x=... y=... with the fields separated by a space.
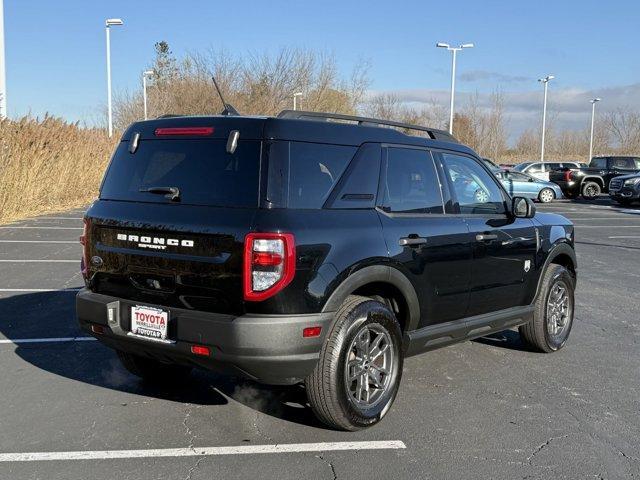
x=295 y=96
x=593 y=116
x=545 y=81
x=145 y=74
x=3 y=78
x=454 y=51
x=108 y=24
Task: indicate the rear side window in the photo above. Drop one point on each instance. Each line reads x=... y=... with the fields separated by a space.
x=625 y=163
x=411 y=182
x=202 y=171
x=598 y=163
x=302 y=175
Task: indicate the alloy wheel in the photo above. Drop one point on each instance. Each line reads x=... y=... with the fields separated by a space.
x=369 y=366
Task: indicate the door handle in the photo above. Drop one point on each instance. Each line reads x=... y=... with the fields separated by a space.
x=411 y=241
x=483 y=237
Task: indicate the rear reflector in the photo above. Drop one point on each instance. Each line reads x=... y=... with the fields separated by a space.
x=311 y=332
x=99 y=329
x=200 y=350
x=184 y=131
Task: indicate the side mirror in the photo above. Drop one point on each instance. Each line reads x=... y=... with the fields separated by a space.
x=522 y=207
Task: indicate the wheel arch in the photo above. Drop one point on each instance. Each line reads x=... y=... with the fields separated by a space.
x=594 y=178
x=561 y=254
x=380 y=281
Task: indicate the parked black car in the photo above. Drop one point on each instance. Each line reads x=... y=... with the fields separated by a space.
x=625 y=189
x=593 y=180
x=305 y=249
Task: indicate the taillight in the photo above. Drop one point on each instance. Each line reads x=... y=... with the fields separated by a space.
x=84 y=239
x=269 y=264
x=568 y=176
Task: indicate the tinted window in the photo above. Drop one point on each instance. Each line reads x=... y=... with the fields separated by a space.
x=625 y=163
x=411 y=182
x=302 y=175
x=202 y=170
x=475 y=189
x=598 y=163
x=518 y=177
x=554 y=166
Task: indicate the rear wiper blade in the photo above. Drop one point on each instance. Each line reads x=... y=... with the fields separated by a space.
x=172 y=193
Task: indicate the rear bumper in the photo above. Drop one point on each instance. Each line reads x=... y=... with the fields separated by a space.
x=266 y=348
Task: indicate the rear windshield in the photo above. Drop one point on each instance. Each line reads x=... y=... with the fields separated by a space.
x=201 y=169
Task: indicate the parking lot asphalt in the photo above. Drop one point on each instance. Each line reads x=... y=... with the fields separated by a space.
x=482 y=409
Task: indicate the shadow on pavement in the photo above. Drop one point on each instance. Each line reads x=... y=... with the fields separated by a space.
x=52 y=315
x=509 y=339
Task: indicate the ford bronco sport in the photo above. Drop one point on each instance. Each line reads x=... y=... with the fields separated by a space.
x=313 y=248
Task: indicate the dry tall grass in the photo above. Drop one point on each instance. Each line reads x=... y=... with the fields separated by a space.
x=49 y=165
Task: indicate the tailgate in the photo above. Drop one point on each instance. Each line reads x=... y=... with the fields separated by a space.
x=183 y=256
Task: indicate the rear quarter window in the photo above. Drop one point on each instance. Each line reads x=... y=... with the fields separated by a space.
x=302 y=175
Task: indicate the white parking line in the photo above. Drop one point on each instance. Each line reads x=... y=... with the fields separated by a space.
x=203 y=451
x=75 y=289
x=38 y=261
x=625 y=236
x=608 y=226
x=40 y=228
x=54 y=218
x=40 y=241
x=17 y=341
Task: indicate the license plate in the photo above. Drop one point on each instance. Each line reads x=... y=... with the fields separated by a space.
x=149 y=322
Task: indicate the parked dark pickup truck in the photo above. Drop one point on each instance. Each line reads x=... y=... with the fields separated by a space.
x=592 y=180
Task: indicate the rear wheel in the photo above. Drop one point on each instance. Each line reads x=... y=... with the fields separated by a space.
x=549 y=329
x=151 y=370
x=591 y=190
x=546 y=195
x=356 y=379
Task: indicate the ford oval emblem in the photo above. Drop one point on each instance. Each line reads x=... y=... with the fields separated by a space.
x=96 y=261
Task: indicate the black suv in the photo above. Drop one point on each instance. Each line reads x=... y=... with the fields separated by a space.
x=313 y=248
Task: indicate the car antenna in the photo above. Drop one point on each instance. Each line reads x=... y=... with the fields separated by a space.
x=228 y=108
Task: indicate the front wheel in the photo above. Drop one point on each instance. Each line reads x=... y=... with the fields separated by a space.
x=591 y=190
x=549 y=329
x=546 y=195
x=357 y=376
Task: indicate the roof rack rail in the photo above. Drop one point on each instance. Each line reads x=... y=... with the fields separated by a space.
x=366 y=121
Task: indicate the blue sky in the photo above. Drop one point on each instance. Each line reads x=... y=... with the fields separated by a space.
x=56 y=50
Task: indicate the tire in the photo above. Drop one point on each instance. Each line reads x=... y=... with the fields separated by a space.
x=546 y=195
x=331 y=393
x=538 y=333
x=152 y=370
x=591 y=190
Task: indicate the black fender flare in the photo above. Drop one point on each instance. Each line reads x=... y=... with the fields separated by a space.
x=377 y=273
x=592 y=178
x=558 y=249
